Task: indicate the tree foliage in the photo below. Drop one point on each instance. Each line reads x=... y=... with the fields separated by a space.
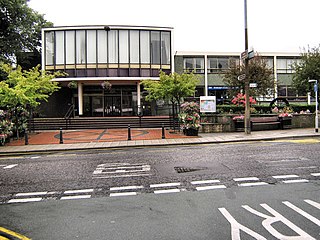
x=259 y=73
x=173 y=87
x=308 y=68
x=20 y=29
x=25 y=87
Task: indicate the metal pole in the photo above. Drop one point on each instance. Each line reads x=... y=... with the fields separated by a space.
x=247 y=127
x=26 y=140
x=163 y=132
x=129 y=133
x=317 y=119
x=61 y=137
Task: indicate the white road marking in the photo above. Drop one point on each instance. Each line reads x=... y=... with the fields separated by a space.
x=303 y=213
x=78 y=191
x=296 y=181
x=119 y=176
x=165 y=185
x=252 y=184
x=10 y=166
x=210 y=187
x=315 y=174
x=122 y=194
x=31 y=194
x=204 y=182
x=246 y=179
x=24 y=200
x=313 y=203
x=125 y=188
x=167 y=191
x=75 y=197
x=285 y=176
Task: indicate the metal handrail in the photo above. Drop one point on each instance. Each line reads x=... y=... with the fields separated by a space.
x=68 y=115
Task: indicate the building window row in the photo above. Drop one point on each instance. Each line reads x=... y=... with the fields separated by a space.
x=117 y=48
x=285 y=65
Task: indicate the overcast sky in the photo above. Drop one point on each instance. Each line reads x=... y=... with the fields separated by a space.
x=201 y=25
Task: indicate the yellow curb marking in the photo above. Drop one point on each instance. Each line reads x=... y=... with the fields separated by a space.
x=306 y=141
x=12 y=234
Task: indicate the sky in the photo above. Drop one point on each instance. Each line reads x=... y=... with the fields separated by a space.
x=202 y=25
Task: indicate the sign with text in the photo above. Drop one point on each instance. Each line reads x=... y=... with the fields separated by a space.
x=208 y=104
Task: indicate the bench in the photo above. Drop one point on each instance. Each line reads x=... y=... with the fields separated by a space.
x=265 y=123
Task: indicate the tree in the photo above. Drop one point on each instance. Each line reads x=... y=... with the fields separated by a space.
x=20 y=29
x=259 y=73
x=21 y=88
x=306 y=69
x=173 y=87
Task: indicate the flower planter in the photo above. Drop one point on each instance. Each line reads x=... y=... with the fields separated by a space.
x=191 y=131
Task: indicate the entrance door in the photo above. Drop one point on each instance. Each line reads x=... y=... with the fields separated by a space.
x=112 y=105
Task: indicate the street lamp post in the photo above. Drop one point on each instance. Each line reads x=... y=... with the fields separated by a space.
x=247 y=127
x=316 y=93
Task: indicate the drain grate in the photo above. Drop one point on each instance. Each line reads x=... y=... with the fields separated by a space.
x=185 y=169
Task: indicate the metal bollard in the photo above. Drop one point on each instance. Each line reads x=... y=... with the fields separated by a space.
x=61 y=137
x=163 y=132
x=129 y=133
x=26 y=140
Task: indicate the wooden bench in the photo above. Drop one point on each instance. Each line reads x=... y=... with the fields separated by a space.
x=265 y=123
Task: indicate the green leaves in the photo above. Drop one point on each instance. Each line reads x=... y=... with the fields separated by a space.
x=259 y=73
x=20 y=28
x=26 y=87
x=307 y=68
x=172 y=87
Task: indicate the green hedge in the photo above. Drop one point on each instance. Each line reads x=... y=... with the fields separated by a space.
x=263 y=109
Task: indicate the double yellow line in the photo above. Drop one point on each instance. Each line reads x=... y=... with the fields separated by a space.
x=6 y=234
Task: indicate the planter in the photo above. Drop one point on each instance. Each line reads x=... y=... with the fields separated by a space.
x=191 y=132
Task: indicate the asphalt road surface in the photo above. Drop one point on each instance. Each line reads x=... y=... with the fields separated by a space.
x=260 y=190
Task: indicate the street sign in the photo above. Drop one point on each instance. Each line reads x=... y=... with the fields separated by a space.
x=253 y=85
x=315 y=87
x=241 y=77
x=244 y=55
x=250 y=55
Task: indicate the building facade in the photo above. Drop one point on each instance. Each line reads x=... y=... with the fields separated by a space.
x=123 y=56
x=210 y=66
x=93 y=56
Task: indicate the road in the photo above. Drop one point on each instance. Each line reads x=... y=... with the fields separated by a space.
x=188 y=192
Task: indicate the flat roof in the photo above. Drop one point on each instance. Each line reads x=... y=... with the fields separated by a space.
x=81 y=27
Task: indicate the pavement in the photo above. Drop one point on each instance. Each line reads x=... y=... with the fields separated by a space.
x=49 y=141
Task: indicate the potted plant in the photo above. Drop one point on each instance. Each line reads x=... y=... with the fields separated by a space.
x=189 y=118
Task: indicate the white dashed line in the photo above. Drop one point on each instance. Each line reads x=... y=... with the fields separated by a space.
x=204 y=182
x=24 y=200
x=75 y=197
x=167 y=191
x=165 y=185
x=312 y=203
x=296 y=181
x=31 y=194
x=210 y=187
x=125 y=188
x=10 y=166
x=246 y=179
x=315 y=174
x=285 y=176
x=78 y=191
x=252 y=184
x=122 y=194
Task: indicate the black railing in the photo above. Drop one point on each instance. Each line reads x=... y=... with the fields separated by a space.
x=70 y=113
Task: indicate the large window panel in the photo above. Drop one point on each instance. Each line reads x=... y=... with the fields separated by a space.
x=70 y=47
x=165 y=48
x=113 y=46
x=49 y=48
x=145 y=47
x=134 y=46
x=91 y=46
x=60 y=47
x=124 y=46
x=155 y=47
x=102 y=46
x=80 y=47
